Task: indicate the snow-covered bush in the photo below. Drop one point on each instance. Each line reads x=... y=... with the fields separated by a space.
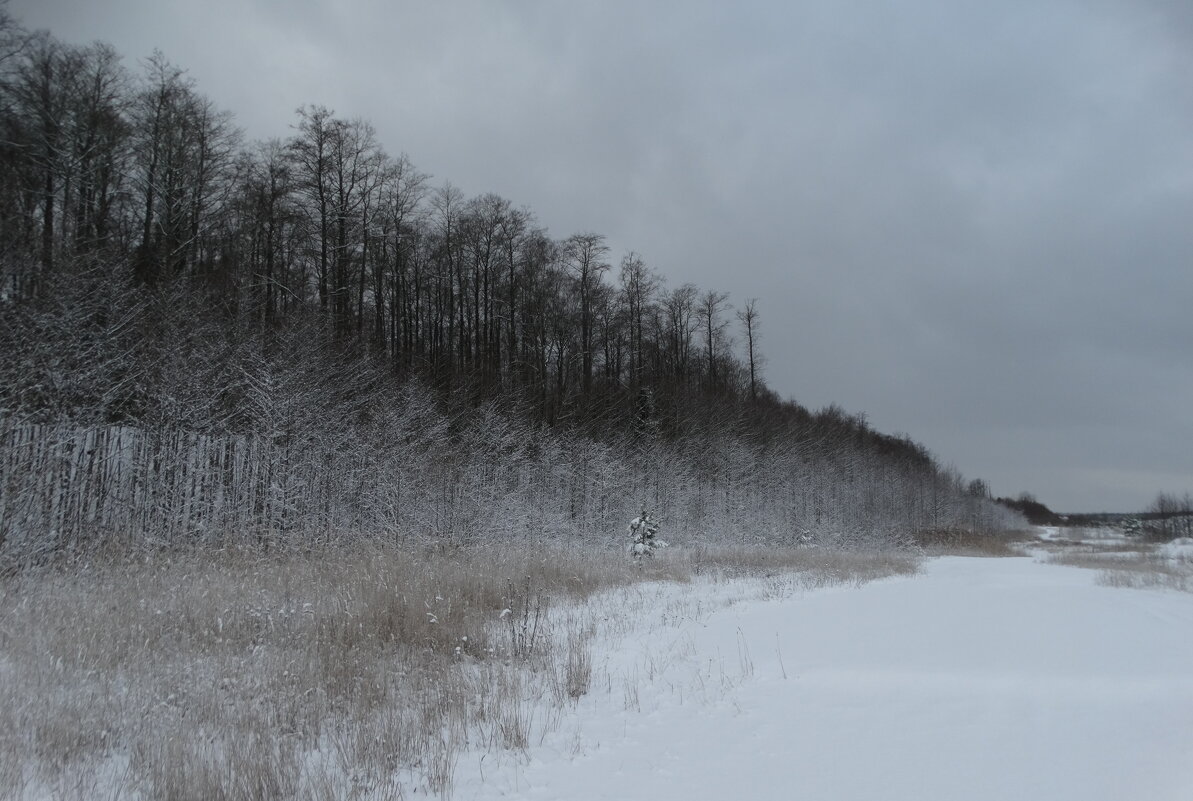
x=644 y=531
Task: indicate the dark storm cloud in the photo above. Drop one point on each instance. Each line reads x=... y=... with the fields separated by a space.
x=970 y=220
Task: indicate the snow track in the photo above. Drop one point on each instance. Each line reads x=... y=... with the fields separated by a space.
x=978 y=679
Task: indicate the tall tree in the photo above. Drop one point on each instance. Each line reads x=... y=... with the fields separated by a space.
x=311 y=151
x=404 y=192
x=42 y=92
x=584 y=257
x=484 y=227
x=516 y=238
x=186 y=148
x=748 y=317
x=638 y=285
x=355 y=169
x=99 y=146
x=271 y=219
x=448 y=326
x=153 y=118
x=681 y=324
x=712 y=305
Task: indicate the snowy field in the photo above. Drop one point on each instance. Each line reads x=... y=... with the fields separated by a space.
x=978 y=679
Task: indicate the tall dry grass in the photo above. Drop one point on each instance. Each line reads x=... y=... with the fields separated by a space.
x=1139 y=567
x=357 y=672
x=962 y=542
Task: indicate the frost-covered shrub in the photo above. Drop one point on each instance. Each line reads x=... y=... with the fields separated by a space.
x=644 y=531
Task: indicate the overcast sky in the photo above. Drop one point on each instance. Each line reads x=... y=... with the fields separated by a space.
x=972 y=221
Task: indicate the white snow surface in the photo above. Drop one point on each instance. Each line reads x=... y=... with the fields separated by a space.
x=978 y=679
x=1179 y=550
x=1092 y=535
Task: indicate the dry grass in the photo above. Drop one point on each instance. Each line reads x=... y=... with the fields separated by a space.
x=1147 y=580
x=347 y=672
x=1138 y=567
x=577 y=666
x=960 y=542
x=814 y=566
x=1112 y=547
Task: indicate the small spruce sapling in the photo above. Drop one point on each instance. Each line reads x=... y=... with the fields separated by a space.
x=644 y=539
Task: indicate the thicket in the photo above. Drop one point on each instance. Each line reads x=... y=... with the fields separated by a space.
x=209 y=340
x=1169 y=517
x=1036 y=513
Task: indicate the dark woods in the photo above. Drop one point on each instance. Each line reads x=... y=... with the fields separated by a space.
x=205 y=338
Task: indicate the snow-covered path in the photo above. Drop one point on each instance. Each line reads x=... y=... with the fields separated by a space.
x=978 y=679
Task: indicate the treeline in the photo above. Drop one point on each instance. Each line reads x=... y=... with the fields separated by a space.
x=234 y=335
x=1169 y=517
x=100 y=166
x=1033 y=511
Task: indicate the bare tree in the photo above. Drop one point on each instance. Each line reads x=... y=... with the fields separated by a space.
x=153 y=120
x=403 y=194
x=712 y=305
x=748 y=317
x=584 y=256
x=311 y=150
x=681 y=324
x=355 y=169
x=13 y=38
x=185 y=149
x=484 y=227
x=516 y=238
x=638 y=286
x=42 y=92
x=448 y=311
x=99 y=149
x=271 y=217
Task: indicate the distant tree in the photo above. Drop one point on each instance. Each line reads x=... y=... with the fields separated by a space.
x=99 y=148
x=404 y=193
x=449 y=324
x=311 y=151
x=41 y=93
x=638 y=286
x=516 y=236
x=584 y=258
x=712 y=306
x=748 y=316
x=484 y=228
x=681 y=325
x=184 y=151
x=1170 y=516
x=354 y=173
x=271 y=218
x=13 y=37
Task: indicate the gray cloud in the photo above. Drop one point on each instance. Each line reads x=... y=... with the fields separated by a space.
x=968 y=219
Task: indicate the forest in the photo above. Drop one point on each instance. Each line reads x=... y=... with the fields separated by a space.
x=208 y=340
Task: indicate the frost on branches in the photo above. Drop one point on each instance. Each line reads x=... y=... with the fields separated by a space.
x=643 y=535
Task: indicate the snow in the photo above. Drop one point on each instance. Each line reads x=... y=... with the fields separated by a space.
x=1048 y=532
x=1179 y=550
x=978 y=679
x=1086 y=535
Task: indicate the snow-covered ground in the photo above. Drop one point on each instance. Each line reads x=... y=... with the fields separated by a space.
x=1090 y=535
x=1179 y=550
x=979 y=679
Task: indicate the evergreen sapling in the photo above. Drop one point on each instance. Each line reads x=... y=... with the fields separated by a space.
x=644 y=539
